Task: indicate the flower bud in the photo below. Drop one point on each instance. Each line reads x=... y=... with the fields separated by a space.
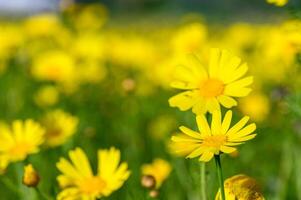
x=30 y=177
x=154 y=193
x=148 y=181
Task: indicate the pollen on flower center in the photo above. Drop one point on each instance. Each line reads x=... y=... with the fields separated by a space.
x=211 y=88
x=93 y=185
x=214 y=141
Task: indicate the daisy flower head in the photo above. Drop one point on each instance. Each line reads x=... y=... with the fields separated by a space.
x=20 y=140
x=215 y=139
x=78 y=181
x=60 y=126
x=205 y=89
x=159 y=169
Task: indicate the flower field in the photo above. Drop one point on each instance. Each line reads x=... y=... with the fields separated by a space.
x=100 y=105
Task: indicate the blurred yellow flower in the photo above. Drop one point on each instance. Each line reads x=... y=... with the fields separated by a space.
x=205 y=88
x=60 y=126
x=21 y=139
x=190 y=38
x=42 y=25
x=31 y=177
x=78 y=181
x=159 y=169
x=279 y=3
x=55 y=66
x=46 y=96
x=256 y=105
x=214 y=140
x=241 y=187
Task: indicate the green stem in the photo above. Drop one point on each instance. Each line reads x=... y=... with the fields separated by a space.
x=220 y=175
x=42 y=194
x=203 y=181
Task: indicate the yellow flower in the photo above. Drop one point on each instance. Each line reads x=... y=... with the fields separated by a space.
x=42 y=25
x=47 y=96
x=60 y=126
x=205 y=88
x=159 y=169
x=21 y=139
x=31 y=177
x=241 y=187
x=190 y=38
x=78 y=181
x=214 y=140
x=55 y=66
x=257 y=106
x=279 y=3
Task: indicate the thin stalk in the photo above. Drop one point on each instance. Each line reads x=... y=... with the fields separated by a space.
x=203 y=181
x=220 y=175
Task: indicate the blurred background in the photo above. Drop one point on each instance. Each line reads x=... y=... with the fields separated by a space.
x=109 y=64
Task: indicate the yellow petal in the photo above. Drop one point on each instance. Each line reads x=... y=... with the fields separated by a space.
x=227 y=121
x=190 y=132
x=227 y=101
x=197 y=152
x=215 y=55
x=238 y=125
x=216 y=122
x=203 y=125
x=206 y=156
x=227 y=149
x=81 y=162
x=183 y=101
x=243 y=132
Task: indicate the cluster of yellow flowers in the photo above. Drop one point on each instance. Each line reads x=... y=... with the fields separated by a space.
x=207 y=88
x=65 y=52
x=23 y=138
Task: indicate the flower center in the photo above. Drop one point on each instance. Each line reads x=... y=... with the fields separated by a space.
x=214 y=141
x=19 y=150
x=92 y=185
x=211 y=88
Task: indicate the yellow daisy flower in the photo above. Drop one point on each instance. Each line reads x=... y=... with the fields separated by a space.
x=78 y=181
x=241 y=187
x=21 y=139
x=60 y=126
x=206 y=88
x=279 y=3
x=159 y=169
x=214 y=140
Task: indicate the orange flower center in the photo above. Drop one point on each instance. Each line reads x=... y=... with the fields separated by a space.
x=214 y=141
x=19 y=150
x=92 y=186
x=211 y=88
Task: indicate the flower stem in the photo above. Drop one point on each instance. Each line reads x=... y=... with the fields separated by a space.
x=203 y=181
x=220 y=175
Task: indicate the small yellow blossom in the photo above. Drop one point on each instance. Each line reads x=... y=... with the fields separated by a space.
x=241 y=187
x=46 y=96
x=59 y=126
x=31 y=177
x=256 y=105
x=159 y=169
x=78 y=181
x=279 y=3
x=214 y=140
x=55 y=66
x=21 y=139
x=190 y=38
x=206 y=88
